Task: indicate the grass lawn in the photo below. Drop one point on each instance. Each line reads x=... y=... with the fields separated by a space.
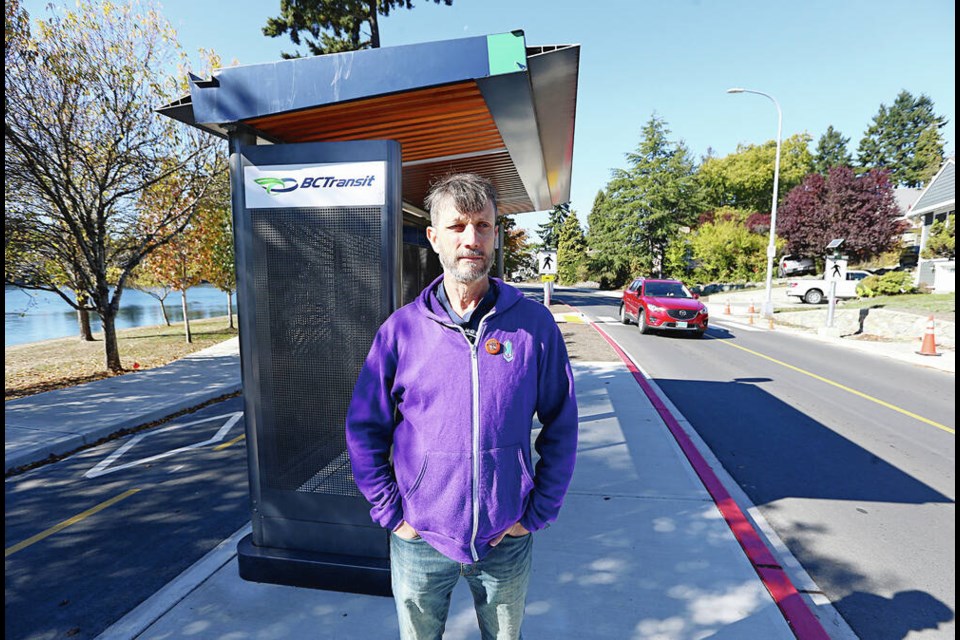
x=941 y=304
x=52 y=364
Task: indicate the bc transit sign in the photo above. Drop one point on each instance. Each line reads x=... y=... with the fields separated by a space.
x=356 y=184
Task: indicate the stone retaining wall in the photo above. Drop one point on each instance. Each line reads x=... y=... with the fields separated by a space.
x=890 y=325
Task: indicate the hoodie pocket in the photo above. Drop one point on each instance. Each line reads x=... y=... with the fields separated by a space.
x=504 y=486
x=439 y=499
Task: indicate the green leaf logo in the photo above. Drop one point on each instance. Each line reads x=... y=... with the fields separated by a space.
x=276 y=185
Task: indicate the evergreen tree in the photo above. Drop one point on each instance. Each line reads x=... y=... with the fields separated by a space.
x=608 y=264
x=571 y=251
x=905 y=139
x=648 y=203
x=333 y=26
x=831 y=152
x=549 y=231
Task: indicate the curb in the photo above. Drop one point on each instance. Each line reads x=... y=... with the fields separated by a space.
x=70 y=442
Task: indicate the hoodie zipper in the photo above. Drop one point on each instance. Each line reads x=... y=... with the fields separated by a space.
x=475 y=409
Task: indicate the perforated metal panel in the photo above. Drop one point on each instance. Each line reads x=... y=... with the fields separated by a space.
x=420 y=262
x=318 y=275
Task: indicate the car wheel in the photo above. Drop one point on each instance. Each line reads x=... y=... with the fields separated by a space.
x=699 y=333
x=642 y=322
x=623 y=315
x=813 y=296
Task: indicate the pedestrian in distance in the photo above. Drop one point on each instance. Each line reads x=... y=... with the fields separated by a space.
x=440 y=425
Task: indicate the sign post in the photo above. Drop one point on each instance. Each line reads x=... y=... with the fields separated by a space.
x=835 y=271
x=547 y=264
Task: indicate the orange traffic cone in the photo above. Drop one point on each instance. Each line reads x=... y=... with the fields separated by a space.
x=929 y=346
x=726 y=309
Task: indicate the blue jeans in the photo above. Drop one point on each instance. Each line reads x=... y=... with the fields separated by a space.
x=423 y=580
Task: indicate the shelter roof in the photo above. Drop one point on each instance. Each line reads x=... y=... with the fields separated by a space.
x=487 y=104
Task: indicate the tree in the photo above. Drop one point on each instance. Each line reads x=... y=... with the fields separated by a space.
x=941 y=243
x=178 y=263
x=905 y=139
x=571 y=251
x=549 y=231
x=647 y=204
x=215 y=225
x=83 y=142
x=831 y=152
x=608 y=264
x=516 y=247
x=744 y=179
x=727 y=249
x=333 y=26
x=861 y=210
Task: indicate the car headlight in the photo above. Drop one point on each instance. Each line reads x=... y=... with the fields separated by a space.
x=655 y=308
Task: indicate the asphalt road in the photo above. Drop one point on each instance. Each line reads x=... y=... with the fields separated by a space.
x=89 y=538
x=849 y=457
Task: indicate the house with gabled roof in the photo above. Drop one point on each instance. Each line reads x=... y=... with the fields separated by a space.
x=937 y=201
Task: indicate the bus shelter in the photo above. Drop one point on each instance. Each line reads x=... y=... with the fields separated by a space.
x=330 y=160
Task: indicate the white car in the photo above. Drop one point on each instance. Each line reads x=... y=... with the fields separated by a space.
x=816 y=291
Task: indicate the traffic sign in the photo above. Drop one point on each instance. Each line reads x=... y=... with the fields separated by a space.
x=547 y=262
x=548 y=278
x=835 y=270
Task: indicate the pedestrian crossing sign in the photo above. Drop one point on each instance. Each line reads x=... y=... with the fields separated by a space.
x=547 y=262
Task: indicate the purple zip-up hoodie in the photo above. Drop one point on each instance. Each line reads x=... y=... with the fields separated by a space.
x=459 y=419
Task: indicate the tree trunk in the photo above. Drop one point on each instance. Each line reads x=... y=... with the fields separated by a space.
x=186 y=319
x=83 y=317
x=110 y=342
x=163 y=310
x=374 y=26
x=230 y=307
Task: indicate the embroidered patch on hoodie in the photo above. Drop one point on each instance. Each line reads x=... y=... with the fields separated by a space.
x=508 y=351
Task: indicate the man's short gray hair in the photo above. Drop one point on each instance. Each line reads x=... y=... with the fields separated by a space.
x=470 y=193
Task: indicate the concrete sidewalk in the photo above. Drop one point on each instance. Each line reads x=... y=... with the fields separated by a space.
x=58 y=422
x=639 y=551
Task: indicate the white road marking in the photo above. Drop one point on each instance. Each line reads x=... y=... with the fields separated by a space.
x=105 y=467
x=608 y=319
x=744 y=327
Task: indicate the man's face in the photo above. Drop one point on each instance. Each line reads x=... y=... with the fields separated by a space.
x=464 y=241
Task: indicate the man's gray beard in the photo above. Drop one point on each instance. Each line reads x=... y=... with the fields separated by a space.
x=468 y=274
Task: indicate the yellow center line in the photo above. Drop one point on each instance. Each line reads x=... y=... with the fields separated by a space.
x=9 y=551
x=230 y=442
x=840 y=386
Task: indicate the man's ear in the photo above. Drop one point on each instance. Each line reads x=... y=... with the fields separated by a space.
x=432 y=238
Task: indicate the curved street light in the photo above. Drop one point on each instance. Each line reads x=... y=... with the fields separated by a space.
x=771 y=247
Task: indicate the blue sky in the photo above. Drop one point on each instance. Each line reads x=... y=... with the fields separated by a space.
x=827 y=62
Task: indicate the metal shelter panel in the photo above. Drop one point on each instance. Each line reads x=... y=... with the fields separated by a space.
x=314 y=284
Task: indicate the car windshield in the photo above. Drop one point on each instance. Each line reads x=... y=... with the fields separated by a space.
x=666 y=290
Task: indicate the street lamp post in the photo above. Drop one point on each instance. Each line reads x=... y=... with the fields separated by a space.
x=771 y=247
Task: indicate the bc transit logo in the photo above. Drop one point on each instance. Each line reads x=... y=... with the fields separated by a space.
x=272 y=185
x=285 y=185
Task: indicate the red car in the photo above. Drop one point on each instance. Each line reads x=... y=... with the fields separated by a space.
x=663 y=304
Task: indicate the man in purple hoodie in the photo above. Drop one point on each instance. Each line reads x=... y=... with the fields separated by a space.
x=439 y=428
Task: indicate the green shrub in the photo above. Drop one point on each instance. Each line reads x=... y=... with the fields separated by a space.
x=889 y=284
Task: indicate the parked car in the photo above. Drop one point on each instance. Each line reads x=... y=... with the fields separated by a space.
x=815 y=291
x=790 y=265
x=663 y=304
